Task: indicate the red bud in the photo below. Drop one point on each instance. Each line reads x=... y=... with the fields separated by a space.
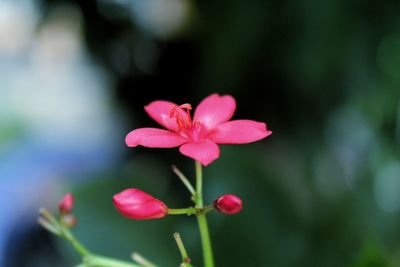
x=228 y=204
x=136 y=204
x=66 y=204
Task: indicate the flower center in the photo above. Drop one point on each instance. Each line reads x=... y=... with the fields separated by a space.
x=186 y=126
x=182 y=115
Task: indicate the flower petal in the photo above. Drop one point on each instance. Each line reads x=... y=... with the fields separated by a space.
x=153 y=137
x=215 y=109
x=160 y=112
x=240 y=132
x=204 y=151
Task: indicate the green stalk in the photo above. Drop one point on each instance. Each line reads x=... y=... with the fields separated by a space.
x=52 y=224
x=94 y=260
x=202 y=220
x=188 y=211
x=75 y=243
x=199 y=186
x=184 y=180
x=182 y=250
x=142 y=260
x=100 y=261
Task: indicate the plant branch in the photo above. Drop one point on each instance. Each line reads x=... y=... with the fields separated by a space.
x=202 y=220
x=184 y=180
x=188 y=211
x=185 y=257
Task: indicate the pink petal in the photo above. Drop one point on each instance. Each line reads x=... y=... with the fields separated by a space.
x=160 y=112
x=240 y=132
x=153 y=137
x=215 y=109
x=204 y=151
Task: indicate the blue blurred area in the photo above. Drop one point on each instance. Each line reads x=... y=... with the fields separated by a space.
x=323 y=190
x=57 y=124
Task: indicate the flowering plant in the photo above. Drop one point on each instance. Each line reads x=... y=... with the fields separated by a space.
x=197 y=138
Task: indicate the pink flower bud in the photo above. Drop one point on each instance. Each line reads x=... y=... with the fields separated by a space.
x=66 y=204
x=136 y=204
x=228 y=204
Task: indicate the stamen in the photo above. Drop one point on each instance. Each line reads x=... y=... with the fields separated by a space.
x=186 y=106
x=183 y=122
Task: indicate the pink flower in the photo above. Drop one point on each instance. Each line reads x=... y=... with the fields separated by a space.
x=136 y=204
x=197 y=137
x=66 y=204
x=228 y=204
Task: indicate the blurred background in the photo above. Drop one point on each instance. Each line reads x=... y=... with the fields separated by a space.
x=323 y=190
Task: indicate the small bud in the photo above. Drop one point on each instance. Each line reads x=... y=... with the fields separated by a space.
x=68 y=220
x=136 y=204
x=228 y=204
x=66 y=204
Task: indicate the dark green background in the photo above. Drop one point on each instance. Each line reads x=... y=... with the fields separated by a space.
x=320 y=191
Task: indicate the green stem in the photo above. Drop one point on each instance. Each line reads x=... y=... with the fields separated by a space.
x=77 y=245
x=188 y=211
x=100 y=261
x=184 y=180
x=207 y=209
x=49 y=217
x=199 y=186
x=202 y=220
x=48 y=226
x=142 y=260
x=185 y=257
x=181 y=247
x=49 y=222
x=62 y=230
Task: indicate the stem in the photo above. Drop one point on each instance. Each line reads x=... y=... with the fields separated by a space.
x=199 y=186
x=185 y=257
x=207 y=209
x=183 y=178
x=100 y=261
x=205 y=238
x=142 y=260
x=77 y=245
x=48 y=226
x=202 y=220
x=188 y=211
x=61 y=230
x=49 y=222
x=49 y=217
x=181 y=247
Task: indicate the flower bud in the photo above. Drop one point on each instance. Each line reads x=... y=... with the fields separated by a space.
x=228 y=204
x=136 y=204
x=69 y=220
x=66 y=204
